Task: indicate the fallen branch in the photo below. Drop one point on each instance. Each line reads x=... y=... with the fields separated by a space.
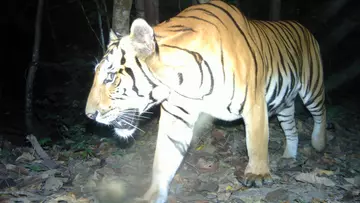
x=38 y=149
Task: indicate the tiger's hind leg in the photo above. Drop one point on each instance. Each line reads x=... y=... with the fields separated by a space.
x=286 y=118
x=314 y=102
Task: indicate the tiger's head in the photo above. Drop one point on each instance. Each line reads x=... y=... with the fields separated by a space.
x=123 y=86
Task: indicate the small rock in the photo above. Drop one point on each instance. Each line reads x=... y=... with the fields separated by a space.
x=218 y=134
x=177 y=188
x=357 y=181
x=192 y=198
x=350 y=180
x=237 y=201
x=278 y=195
x=211 y=195
x=307 y=150
x=210 y=164
x=93 y=162
x=312 y=178
x=223 y=196
x=320 y=194
x=208 y=186
x=209 y=149
x=251 y=195
x=53 y=184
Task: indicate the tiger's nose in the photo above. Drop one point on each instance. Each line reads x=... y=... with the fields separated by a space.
x=92 y=115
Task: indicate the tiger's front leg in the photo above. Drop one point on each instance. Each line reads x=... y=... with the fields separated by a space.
x=174 y=137
x=255 y=117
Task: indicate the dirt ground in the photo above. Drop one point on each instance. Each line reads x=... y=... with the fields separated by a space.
x=88 y=164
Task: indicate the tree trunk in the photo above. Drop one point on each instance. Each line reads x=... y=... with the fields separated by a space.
x=275 y=9
x=140 y=8
x=121 y=16
x=32 y=70
x=152 y=11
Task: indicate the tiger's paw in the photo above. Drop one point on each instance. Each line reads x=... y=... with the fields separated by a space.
x=257 y=176
x=257 y=180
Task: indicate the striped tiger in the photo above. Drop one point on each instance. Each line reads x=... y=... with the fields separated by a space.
x=210 y=59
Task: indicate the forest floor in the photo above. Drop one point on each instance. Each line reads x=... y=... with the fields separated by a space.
x=88 y=164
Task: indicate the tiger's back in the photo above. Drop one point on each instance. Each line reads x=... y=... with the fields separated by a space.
x=282 y=56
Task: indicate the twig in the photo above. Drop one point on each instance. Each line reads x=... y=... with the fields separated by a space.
x=100 y=27
x=39 y=150
x=196 y=170
x=106 y=12
x=18 y=193
x=87 y=19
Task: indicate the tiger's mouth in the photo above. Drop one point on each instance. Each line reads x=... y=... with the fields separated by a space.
x=127 y=119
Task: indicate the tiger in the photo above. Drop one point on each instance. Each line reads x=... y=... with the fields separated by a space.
x=210 y=59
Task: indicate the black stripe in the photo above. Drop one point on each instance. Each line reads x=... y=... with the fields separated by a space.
x=198 y=58
x=270 y=55
x=196 y=18
x=157 y=52
x=181 y=78
x=181 y=147
x=134 y=87
x=123 y=60
x=285 y=95
x=290 y=129
x=243 y=103
x=272 y=97
x=206 y=12
x=243 y=35
x=180 y=28
x=147 y=78
x=222 y=60
x=183 y=110
x=211 y=79
x=177 y=117
x=285 y=116
x=233 y=93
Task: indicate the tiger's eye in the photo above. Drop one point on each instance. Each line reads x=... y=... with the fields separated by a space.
x=109 y=78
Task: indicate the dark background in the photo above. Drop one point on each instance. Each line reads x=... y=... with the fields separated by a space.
x=69 y=50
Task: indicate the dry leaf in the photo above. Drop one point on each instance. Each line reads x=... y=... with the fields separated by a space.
x=324 y=172
x=25 y=157
x=200 y=147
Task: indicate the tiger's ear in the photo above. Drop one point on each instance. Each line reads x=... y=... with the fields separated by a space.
x=142 y=38
x=113 y=35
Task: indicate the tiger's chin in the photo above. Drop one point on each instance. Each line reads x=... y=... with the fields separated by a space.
x=126 y=128
x=124 y=133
